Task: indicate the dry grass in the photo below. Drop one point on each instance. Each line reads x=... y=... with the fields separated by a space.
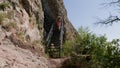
x=21 y=35
x=3 y=6
x=2 y=16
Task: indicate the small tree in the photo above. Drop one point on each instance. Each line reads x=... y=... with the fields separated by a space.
x=93 y=51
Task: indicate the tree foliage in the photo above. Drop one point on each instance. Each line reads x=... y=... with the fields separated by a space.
x=94 y=51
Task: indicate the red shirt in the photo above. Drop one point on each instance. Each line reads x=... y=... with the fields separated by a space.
x=59 y=23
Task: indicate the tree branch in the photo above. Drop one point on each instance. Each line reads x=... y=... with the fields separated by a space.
x=110 y=20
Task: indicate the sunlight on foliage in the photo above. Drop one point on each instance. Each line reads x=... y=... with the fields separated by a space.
x=94 y=51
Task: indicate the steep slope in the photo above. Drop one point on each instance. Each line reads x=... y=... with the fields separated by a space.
x=14 y=57
x=22 y=31
x=21 y=21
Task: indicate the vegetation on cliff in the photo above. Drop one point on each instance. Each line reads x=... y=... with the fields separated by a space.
x=92 y=51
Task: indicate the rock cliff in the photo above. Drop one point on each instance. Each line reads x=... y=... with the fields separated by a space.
x=22 y=26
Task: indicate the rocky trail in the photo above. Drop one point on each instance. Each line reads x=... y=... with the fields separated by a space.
x=12 y=56
x=15 y=57
x=23 y=55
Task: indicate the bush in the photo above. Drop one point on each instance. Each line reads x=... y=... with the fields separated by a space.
x=9 y=15
x=2 y=16
x=21 y=35
x=67 y=48
x=93 y=51
x=4 y=5
x=12 y=25
x=36 y=42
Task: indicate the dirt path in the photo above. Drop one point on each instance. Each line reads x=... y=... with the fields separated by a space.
x=56 y=63
x=15 y=57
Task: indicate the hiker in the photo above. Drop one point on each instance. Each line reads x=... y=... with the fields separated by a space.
x=59 y=22
x=52 y=49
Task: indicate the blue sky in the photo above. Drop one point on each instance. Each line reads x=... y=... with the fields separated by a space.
x=85 y=13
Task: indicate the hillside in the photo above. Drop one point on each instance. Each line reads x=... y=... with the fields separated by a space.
x=22 y=31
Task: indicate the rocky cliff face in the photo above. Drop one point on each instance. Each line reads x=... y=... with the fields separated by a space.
x=22 y=24
x=20 y=20
x=54 y=8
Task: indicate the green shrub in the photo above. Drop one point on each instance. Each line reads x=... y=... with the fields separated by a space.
x=2 y=16
x=21 y=35
x=10 y=14
x=11 y=25
x=4 y=5
x=35 y=42
x=67 y=48
x=93 y=51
